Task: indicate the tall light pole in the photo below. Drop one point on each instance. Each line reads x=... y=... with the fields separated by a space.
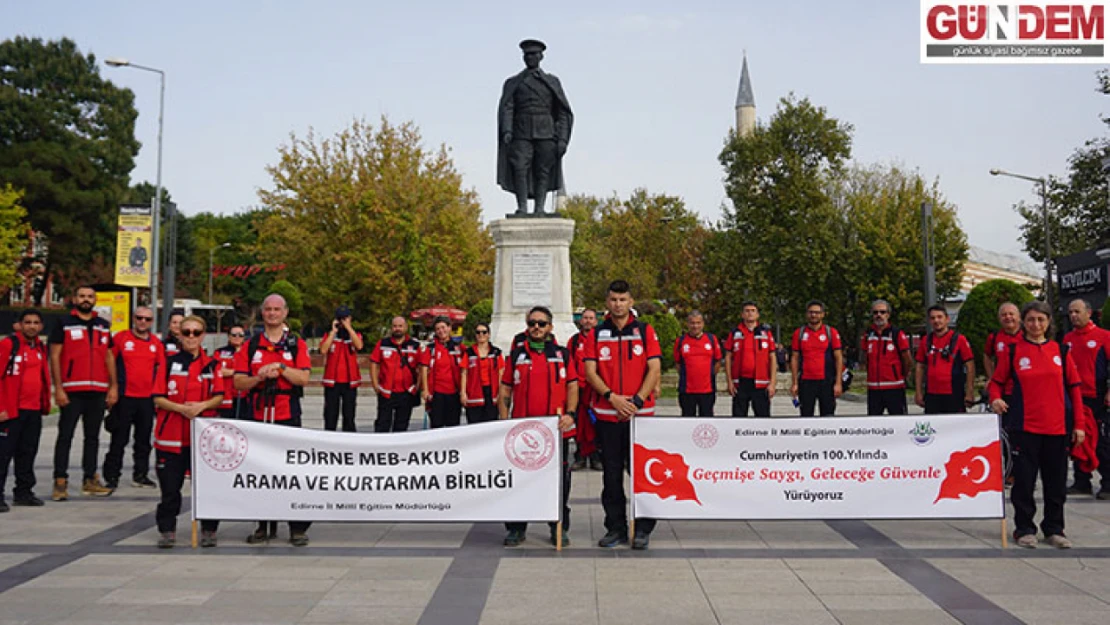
x=211 y=256
x=155 y=245
x=1047 y=229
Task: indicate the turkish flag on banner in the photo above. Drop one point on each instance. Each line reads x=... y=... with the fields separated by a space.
x=662 y=474
x=973 y=471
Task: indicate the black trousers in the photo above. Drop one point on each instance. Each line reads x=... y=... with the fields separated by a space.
x=137 y=411
x=170 y=469
x=951 y=403
x=19 y=441
x=748 y=395
x=697 y=404
x=566 y=495
x=1102 y=449
x=615 y=442
x=88 y=406
x=240 y=409
x=1047 y=455
x=394 y=412
x=341 y=393
x=446 y=410
x=485 y=412
x=892 y=400
x=295 y=527
x=812 y=393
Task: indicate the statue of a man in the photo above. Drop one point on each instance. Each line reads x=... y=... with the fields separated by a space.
x=533 y=127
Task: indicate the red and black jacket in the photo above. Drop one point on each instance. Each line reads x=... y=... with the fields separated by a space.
x=883 y=350
x=85 y=346
x=494 y=361
x=1046 y=397
x=397 y=364
x=226 y=356
x=1090 y=348
x=341 y=365
x=539 y=381
x=14 y=352
x=763 y=342
x=452 y=352
x=138 y=363
x=622 y=356
x=186 y=379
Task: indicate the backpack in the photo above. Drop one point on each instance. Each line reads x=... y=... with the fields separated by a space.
x=959 y=375
x=1068 y=420
x=11 y=358
x=253 y=346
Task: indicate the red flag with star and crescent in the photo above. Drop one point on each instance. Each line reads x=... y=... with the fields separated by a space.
x=662 y=474
x=972 y=471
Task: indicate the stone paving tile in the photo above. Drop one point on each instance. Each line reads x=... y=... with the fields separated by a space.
x=932 y=534
x=106 y=582
x=8 y=560
x=717 y=534
x=1056 y=617
x=449 y=535
x=901 y=617
x=170 y=595
x=637 y=609
x=724 y=603
x=377 y=615
x=989 y=577
x=524 y=610
x=115 y=613
x=800 y=535
x=776 y=617
x=877 y=602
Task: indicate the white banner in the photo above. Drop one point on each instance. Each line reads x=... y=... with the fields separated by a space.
x=496 y=471
x=936 y=466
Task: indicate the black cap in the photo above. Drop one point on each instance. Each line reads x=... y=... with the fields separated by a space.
x=532 y=45
x=342 y=312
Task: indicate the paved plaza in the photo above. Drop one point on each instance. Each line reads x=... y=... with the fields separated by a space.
x=93 y=561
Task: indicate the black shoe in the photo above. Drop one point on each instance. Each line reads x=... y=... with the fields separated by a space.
x=554 y=540
x=30 y=501
x=4 y=507
x=578 y=465
x=1103 y=495
x=208 y=539
x=112 y=483
x=595 y=464
x=167 y=540
x=258 y=536
x=640 y=541
x=612 y=539
x=142 y=481
x=513 y=538
x=298 y=539
x=273 y=530
x=1080 y=489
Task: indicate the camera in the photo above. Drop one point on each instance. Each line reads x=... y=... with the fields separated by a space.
x=341 y=313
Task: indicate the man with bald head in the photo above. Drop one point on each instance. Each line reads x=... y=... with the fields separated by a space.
x=274 y=367
x=1089 y=346
x=998 y=346
x=393 y=376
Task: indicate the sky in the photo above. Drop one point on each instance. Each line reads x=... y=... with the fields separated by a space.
x=652 y=84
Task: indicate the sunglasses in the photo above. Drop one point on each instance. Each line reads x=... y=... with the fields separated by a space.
x=537 y=323
x=237 y=335
x=477 y=332
x=195 y=333
x=138 y=318
x=880 y=312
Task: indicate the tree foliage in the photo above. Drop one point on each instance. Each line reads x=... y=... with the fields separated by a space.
x=371 y=217
x=13 y=235
x=979 y=314
x=482 y=312
x=67 y=140
x=667 y=329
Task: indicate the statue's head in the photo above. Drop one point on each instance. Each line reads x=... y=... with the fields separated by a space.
x=533 y=52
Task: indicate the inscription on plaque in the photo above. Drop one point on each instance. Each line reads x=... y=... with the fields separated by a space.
x=531 y=279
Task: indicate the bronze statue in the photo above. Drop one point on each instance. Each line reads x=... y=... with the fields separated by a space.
x=533 y=127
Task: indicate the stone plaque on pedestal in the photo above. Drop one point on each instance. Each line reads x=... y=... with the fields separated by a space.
x=533 y=269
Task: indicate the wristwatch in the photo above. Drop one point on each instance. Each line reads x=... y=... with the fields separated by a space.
x=607 y=395
x=639 y=403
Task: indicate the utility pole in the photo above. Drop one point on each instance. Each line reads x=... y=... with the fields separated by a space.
x=929 y=252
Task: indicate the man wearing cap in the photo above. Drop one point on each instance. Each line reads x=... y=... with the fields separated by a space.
x=341 y=373
x=533 y=123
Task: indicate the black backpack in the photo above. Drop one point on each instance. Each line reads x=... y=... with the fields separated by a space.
x=253 y=346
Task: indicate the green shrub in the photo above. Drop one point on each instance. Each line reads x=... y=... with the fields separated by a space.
x=979 y=314
x=481 y=312
x=667 y=328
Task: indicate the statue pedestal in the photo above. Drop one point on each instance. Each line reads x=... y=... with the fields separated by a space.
x=533 y=269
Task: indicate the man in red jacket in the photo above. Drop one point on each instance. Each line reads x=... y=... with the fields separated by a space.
x=24 y=398
x=885 y=353
x=1089 y=346
x=341 y=373
x=84 y=384
x=751 y=365
x=584 y=436
x=140 y=358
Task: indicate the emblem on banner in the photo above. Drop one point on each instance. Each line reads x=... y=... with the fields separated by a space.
x=529 y=446
x=705 y=436
x=223 y=446
x=922 y=433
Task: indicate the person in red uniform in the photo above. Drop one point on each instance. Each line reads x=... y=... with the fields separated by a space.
x=236 y=404
x=816 y=363
x=585 y=438
x=1089 y=346
x=140 y=358
x=1009 y=332
x=393 y=375
x=190 y=386
x=751 y=364
x=171 y=338
x=484 y=363
x=623 y=362
x=945 y=371
x=84 y=384
x=341 y=373
x=274 y=367
x=886 y=351
x=540 y=381
x=441 y=366
x=697 y=354
x=24 y=398
x=1043 y=425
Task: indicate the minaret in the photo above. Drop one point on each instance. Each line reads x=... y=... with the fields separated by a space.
x=745 y=103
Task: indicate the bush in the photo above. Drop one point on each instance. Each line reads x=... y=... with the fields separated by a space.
x=979 y=314
x=667 y=328
x=481 y=312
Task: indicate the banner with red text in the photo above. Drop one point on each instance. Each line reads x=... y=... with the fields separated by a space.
x=497 y=471
x=935 y=466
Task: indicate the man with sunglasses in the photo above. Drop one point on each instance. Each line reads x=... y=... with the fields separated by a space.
x=140 y=357
x=886 y=359
x=235 y=404
x=945 y=371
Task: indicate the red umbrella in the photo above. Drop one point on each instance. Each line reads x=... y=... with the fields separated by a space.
x=427 y=314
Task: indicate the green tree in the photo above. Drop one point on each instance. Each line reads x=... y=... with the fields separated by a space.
x=67 y=139
x=979 y=314
x=482 y=312
x=13 y=235
x=667 y=328
x=373 y=218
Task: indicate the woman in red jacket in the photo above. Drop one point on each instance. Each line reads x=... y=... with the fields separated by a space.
x=479 y=384
x=1042 y=414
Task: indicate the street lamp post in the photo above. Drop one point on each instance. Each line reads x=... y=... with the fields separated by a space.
x=1047 y=228
x=155 y=245
x=211 y=255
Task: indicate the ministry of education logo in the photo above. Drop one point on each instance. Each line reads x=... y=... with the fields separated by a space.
x=922 y=433
x=705 y=436
x=529 y=445
x=223 y=446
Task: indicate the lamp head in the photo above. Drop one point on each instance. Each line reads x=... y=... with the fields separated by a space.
x=117 y=62
x=995 y=172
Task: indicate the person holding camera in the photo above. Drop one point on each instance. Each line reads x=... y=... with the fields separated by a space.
x=341 y=373
x=945 y=372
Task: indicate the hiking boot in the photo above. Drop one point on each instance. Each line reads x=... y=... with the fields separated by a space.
x=208 y=539
x=30 y=501
x=61 y=489
x=111 y=483
x=640 y=541
x=514 y=538
x=579 y=464
x=613 y=538
x=142 y=481
x=273 y=530
x=4 y=507
x=258 y=536
x=1029 y=541
x=299 y=539
x=566 y=538
x=167 y=540
x=93 y=488
x=1059 y=541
